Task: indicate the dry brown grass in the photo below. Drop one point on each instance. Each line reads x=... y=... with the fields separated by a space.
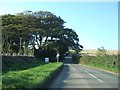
x=94 y=51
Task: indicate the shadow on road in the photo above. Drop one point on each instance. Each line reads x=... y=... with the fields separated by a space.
x=58 y=82
x=63 y=76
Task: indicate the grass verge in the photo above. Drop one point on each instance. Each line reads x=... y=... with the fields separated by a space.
x=29 y=78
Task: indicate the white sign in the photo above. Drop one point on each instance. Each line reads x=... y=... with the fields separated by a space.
x=57 y=57
x=46 y=59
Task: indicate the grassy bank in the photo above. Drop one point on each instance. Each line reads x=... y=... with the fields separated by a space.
x=26 y=72
x=29 y=78
x=15 y=63
x=106 y=62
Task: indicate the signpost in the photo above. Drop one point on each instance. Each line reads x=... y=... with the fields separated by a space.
x=46 y=59
x=57 y=57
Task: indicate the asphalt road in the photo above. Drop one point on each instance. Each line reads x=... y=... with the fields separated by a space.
x=78 y=76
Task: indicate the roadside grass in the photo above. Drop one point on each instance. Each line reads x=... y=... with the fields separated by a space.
x=106 y=62
x=29 y=78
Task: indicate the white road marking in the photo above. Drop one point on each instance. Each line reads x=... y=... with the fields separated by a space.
x=94 y=76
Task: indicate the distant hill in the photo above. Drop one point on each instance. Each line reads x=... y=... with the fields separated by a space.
x=93 y=52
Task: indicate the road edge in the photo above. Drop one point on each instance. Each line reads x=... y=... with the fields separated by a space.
x=100 y=69
x=52 y=77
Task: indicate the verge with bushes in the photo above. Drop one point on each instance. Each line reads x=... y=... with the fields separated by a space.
x=101 y=60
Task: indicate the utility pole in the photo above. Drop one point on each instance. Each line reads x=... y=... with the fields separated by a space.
x=24 y=48
x=20 y=45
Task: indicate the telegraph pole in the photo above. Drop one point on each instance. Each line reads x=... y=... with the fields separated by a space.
x=24 y=48
x=20 y=45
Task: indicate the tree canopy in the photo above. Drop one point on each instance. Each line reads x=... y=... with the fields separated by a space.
x=41 y=30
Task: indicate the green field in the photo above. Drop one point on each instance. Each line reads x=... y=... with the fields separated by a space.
x=28 y=74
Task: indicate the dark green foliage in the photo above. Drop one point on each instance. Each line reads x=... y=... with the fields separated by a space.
x=62 y=48
x=76 y=57
x=15 y=48
x=42 y=29
x=41 y=54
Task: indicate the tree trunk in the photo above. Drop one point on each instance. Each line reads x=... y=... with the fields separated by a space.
x=46 y=39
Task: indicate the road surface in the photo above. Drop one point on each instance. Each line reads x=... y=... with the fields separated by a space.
x=78 y=76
